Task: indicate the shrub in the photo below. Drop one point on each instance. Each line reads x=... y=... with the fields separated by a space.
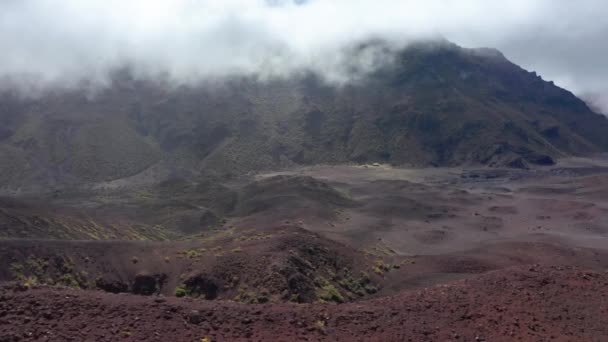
x=380 y=267
x=371 y=289
x=330 y=293
x=193 y=254
x=320 y=326
x=30 y=281
x=180 y=292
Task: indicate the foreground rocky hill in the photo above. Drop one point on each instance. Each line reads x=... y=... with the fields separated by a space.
x=534 y=303
x=428 y=104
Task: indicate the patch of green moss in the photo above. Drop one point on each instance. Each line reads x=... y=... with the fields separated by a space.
x=294 y=298
x=17 y=270
x=359 y=286
x=380 y=267
x=352 y=285
x=370 y=289
x=36 y=265
x=39 y=271
x=320 y=326
x=180 y=292
x=245 y=295
x=30 y=281
x=69 y=280
x=327 y=292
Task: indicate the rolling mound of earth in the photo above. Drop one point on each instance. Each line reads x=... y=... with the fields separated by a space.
x=533 y=303
x=279 y=264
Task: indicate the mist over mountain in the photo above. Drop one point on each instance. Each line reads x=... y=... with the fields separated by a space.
x=189 y=41
x=322 y=170
x=431 y=103
x=228 y=87
x=597 y=102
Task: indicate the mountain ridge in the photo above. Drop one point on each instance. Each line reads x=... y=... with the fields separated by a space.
x=431 y=104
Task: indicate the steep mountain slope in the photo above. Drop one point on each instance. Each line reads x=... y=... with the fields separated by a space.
x=429 y=104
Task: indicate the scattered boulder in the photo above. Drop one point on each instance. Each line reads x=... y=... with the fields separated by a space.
x=208 y=218
x=541 y=159
x=517 y=163
x=302 y=288
x=201 y=285
x=111 y=285
x=194 y=317
x=148 y=284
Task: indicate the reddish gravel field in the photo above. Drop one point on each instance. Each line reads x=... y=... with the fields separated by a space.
x=409 y=255
x=533 y=303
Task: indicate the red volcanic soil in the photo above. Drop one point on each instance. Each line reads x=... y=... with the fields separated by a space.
x=531 y=303
x=481 y=255
x=272 y=264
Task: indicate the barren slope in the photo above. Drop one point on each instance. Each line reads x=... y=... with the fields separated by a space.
x=538 y=303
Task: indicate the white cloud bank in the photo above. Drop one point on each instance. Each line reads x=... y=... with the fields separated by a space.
x=68 y=40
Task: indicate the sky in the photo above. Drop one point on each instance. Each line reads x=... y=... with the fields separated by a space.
x=60 y=42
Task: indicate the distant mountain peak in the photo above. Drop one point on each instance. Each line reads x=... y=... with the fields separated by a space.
x=430 y=103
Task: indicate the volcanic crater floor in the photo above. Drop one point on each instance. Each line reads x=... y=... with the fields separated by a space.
x=323 y=253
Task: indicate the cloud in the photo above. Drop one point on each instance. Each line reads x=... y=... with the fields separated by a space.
x=54 y=42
